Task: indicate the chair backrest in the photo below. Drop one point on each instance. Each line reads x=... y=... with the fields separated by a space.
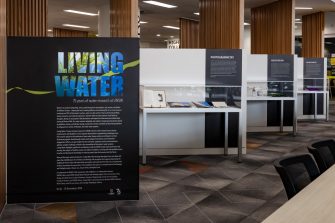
x=296 y=172
x=324 y=153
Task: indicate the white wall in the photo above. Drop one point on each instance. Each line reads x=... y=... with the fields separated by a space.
x=152 y=45
x=247 y=39
x=330 y=24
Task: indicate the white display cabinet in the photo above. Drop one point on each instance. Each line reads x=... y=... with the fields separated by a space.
x=259 y=93
x=313 y=94
x=270 y=102
x=167 y=110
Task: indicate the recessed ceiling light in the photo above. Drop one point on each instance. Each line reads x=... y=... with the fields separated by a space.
x=142 y=22
x=247 y=24
x=76 y=26
x=49 y=30
x=158 y=35
x=196 y=13
x=171 y=36
x=171 y=27
x=80 y=12
x=303 y=8
x=161 y=4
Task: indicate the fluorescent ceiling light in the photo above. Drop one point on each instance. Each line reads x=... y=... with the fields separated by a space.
x=158 y=35
x=297 y=19
x=76 y=26
x=171 y=27
x=80 y=12
x=161 y=4
x=142 y=22
x=297 y=22
x=49 y=30
x=171 y=36
x=197 y=13
x=247 y=24
x=303 y=8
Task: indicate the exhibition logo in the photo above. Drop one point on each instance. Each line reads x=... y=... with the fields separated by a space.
x=89 y=74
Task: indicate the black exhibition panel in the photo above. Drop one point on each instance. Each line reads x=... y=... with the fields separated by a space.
x=224 y=69
x=73 y=119
x=314 y=81
x=281 y=84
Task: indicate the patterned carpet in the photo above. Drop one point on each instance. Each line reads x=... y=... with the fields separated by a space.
x=195 y=189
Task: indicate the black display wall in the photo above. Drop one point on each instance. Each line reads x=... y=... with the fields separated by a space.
x=223 y=68
x=73 y=119
x=281 y=83
x=313 y=80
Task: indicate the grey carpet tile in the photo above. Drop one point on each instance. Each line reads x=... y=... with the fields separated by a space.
x=230 y=173
x=247 y=164
x=144 y=200
x=264 y=156
x=19 y=215
x=168 y=174
x=249 y=220
x=87 y=210
x=190 y=215
x=150 y=184
x=173 y=194
x=280 y=198
x=42 y=217
x=267 y=169
x=168 y=211
x=109 y=216
x=197 y=196
x=160 y=160
x=205 y=181
x=140 y=214
x=281 y=149
x=228 y=203
x=207 y=160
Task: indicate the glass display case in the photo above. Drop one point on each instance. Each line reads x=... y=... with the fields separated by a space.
x=190 y=96
x=270 y=89
x=312 y=84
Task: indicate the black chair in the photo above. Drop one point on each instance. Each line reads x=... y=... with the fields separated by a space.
x=324 y=153
x=296 y=172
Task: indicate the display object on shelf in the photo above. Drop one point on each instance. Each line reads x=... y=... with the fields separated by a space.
x=180 y=104
x=202 y=104
x=154 y=99
x=219 y=104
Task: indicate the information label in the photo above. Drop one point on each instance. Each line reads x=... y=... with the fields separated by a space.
x=280 y=67
x=224 y=67
x=314 y=68
x=73 y=119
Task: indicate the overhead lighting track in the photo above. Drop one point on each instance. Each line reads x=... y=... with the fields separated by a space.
x=161 y=4
x=303 y=8
x=171 y=27
x=81 y=13
x=76 y=26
